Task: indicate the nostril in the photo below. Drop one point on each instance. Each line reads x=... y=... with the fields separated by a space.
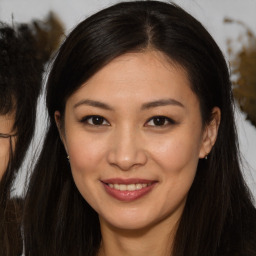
x=127 y=160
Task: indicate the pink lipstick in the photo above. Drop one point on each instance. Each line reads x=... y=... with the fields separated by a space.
x=128 y=189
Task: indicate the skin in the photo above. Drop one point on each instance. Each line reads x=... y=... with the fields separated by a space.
x=127 y=143
x=6 y=127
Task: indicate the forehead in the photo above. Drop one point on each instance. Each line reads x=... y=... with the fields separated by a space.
x=146 y=75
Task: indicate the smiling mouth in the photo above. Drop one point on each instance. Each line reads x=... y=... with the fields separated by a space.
x=128 y=190
x=129 y=187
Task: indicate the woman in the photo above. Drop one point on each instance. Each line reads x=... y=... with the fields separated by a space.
x=139 y=101
x=20 y=83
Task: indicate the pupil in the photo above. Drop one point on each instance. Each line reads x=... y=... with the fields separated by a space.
x=97 y=120
x=159 y=121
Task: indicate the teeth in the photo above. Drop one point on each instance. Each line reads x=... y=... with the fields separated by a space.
x=129 y=187
x=116 y=186
x=138 y=186
x=122 y=187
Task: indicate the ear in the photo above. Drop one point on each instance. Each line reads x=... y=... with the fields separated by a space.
x=57 y=117
x=210 y=133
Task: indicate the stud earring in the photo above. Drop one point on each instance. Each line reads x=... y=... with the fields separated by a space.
x=68 y=157
x=206 y=157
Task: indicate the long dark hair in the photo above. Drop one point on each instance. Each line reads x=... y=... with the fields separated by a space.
x=219 y=217
x=20 y=86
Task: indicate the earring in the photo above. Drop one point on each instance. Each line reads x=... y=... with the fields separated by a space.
x=206 y=157
x=68 y=157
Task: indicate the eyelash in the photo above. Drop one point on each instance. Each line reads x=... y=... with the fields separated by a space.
x=96 y=118
x=163 y=121
x=167 y=121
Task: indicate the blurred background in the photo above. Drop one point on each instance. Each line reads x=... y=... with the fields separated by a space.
x=232 y=23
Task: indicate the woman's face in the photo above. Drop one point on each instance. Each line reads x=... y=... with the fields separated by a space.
x=134 y=136
x=6 y=128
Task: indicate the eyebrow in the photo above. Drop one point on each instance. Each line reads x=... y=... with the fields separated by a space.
x=148 y=105
x=93 y=103
x=162 y=102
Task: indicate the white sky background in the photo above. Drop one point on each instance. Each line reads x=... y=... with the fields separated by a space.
x=210 y=12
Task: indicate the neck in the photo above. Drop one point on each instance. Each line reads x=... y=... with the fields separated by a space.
x=156 y=240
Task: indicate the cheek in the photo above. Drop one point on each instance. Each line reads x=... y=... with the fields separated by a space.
x=175 y=153
x=86 y=154
x=3 y=166
x=4 y=156
x=177 y=159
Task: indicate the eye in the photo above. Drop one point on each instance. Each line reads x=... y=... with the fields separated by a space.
x=95 y=120
x=159 y=121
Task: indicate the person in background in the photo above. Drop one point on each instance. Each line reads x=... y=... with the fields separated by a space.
x=22 y=60
x=141 y=154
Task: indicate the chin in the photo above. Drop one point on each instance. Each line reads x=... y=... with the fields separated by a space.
x=130 y=221
x=129 y=225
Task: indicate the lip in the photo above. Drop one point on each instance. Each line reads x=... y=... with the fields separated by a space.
x=128 y=195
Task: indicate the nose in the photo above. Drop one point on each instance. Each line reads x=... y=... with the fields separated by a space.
x=127 y=150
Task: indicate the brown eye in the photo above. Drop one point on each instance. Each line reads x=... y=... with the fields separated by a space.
x=160 y=121
x=95 y=120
